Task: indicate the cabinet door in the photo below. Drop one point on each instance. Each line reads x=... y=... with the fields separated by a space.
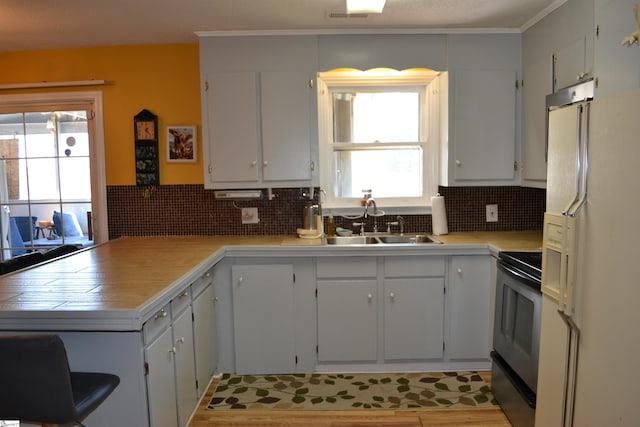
x=204 y=330
x=538 y=83
x=468 y=303
x=286 y=126
x=263 y=318
x=232 y=104
x=184 y=366
x=347 y=315
x=415 y=306
x=570 y=63
x=484 y=124
x=161 y=386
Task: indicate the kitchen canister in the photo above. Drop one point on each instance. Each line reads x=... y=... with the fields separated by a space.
x=438 y=215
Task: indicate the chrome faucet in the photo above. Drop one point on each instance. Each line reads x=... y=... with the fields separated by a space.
x=398 y=223
x=368 y=202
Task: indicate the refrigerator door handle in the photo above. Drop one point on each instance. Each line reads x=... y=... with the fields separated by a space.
x=579 y=138
x=585 y=163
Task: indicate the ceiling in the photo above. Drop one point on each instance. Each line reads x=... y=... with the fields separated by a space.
x=53 y=24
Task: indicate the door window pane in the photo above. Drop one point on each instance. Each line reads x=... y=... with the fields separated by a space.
x=47 y=177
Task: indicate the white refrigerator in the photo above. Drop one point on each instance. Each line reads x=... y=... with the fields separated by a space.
x=590 y=332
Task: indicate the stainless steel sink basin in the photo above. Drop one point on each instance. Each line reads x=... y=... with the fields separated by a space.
x=351 y=240
x=409 y=239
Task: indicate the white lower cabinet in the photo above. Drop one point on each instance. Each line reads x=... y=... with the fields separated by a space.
x=179 y=338
x=413 y=318
x=184 y=361
x=161 y=384
x=204 y=333
x=382 y=309
x=468 y=307
x=263 y=318
x=347 y=320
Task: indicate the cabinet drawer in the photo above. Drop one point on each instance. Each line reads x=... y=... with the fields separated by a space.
x=346 y=267
x=414 y=266
x=180 y=302
x=158 y=323
x=201 y=283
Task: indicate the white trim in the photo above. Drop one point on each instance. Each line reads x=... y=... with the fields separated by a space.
x=543 y=13
x=52 y=84
x=328 y=81
x=97 y=153
x=356 y=31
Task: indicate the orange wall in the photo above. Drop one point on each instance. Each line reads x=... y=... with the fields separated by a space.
x=164 y=79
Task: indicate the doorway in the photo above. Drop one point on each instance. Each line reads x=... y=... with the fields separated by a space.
x=52 y=180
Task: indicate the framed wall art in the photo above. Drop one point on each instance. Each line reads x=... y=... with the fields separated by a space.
x=181 y=144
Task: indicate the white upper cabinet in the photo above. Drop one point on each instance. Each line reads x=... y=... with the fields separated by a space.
x=617 y=66
x=233 y=128
x=259 y=128
x=259 y=111
x=482 y=111
x=538 y=82
x=286 y=125
x=571 y=63
x=484 y=125
x=556 y=52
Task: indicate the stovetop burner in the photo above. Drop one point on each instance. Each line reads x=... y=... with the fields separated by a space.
x=530 y=262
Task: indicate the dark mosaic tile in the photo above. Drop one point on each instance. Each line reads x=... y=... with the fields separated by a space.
x=193 y=210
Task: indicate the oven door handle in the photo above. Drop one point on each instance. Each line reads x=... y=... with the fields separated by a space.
x=516 y=273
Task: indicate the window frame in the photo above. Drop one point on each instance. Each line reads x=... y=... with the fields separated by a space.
x=379 y=80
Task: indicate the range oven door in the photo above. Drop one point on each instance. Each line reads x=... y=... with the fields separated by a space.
x=516 y=333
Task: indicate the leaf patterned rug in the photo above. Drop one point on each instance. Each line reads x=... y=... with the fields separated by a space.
x=352 y=391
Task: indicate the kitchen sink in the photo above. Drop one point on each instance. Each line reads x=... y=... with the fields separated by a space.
x=351 y=240
x=415 y=238
x=409 y=239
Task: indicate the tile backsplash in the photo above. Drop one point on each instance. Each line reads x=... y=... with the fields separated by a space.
x=192 y=210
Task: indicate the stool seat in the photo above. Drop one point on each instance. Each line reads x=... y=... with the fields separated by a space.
x=38 y=386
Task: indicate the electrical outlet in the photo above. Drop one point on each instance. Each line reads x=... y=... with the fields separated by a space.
x=250 y=216
x=492 y=213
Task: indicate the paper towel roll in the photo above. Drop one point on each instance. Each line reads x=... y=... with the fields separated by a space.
x=438 y=215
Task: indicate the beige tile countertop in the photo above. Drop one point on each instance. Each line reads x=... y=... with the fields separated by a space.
x=127 y=278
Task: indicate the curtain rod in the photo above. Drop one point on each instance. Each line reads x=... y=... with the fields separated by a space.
x=52 y=84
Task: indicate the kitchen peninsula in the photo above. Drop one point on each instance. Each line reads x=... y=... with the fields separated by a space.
x=132 y=305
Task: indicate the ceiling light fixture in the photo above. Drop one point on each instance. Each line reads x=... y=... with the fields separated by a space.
x=365 y=6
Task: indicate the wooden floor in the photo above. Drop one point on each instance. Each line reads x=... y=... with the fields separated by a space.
x=358 y=418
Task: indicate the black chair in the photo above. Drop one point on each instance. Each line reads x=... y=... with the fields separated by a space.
x=36 y=384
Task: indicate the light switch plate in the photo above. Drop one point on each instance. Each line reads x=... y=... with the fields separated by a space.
x=250 y=216
x=492 y=213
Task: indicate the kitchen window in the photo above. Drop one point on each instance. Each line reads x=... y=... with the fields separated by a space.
x=378 y=130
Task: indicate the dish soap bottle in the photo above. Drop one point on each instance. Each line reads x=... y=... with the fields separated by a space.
x=331 y=227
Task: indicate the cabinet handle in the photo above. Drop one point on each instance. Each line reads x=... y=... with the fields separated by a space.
x=216 y=299
x=254 y=163
x=240 y=280
x=207 y=274
x=183 y=294
x=392 y=295
x=458 y=163
x=160 y=315
x=265 y=163
x=180 y=340
x=370 y=296
x=172 y=350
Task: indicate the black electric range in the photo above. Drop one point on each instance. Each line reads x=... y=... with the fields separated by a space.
x=529 y=262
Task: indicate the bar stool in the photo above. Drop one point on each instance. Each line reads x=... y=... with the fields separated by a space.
x=36 y=384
